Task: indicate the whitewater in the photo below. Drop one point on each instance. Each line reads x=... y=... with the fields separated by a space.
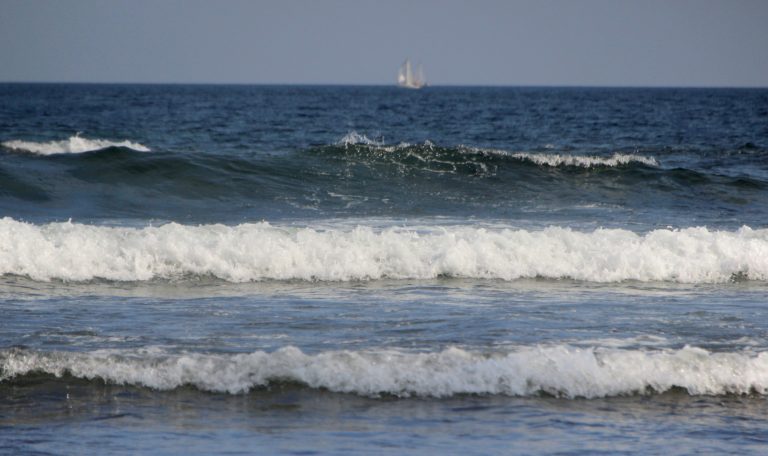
x=560 y=371
x=251 y=252
x=73 y=145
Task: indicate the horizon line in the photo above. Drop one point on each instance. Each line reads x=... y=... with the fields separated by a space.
x=394 y=85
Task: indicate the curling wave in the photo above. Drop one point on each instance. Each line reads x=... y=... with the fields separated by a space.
x=260 y=251
x=73 y=145
x=559 y=370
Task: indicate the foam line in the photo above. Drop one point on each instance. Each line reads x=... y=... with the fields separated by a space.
x=585 y=161
x=559 y=370
x=260 y=251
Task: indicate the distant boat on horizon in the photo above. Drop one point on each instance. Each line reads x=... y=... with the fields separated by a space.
x=407 y=79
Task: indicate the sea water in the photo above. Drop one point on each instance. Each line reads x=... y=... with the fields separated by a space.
x=298 y=269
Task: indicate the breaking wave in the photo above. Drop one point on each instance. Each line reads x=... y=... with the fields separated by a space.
x=429 y=152
x=560 y=370
x=260 y=251
x=73 y=145
x=585 y=161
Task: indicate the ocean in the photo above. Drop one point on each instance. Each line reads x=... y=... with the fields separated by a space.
x=340 y=269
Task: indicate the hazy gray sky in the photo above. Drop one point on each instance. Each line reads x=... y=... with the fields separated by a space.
x=536 y=42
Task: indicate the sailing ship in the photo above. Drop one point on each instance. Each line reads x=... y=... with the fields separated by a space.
x=406 y=77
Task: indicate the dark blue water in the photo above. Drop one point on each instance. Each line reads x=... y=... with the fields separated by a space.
x=346 y=269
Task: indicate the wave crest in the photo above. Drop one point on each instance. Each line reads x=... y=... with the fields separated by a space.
x=428 y=154
x=585 y=161
x=560 y=370
x=260 y=251
x=73 y=145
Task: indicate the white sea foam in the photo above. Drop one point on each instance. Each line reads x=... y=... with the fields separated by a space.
x=585 y=161
x=74 y=145
x=581 y=161
x=260 y=251
x=559 y=370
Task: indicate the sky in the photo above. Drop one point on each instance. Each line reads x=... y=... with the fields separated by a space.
x=479 y=42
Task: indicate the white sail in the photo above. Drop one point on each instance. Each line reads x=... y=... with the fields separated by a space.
x=406 y=77
x=420 y=78
x=408 y=73
x=401 y=75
